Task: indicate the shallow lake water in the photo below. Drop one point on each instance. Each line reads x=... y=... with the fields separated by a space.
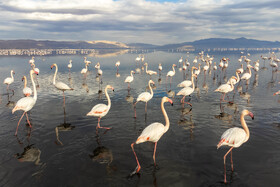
x=186 y=154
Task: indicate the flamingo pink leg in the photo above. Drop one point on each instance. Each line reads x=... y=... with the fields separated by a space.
x=19 y=122
x=63 y=98
x=225 y=163
x=138 y=165
x=154 y=156
x=28 y=120
x=231 y=161
x=98 y=125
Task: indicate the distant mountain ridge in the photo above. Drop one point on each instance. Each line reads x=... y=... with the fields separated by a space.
x=209 y=43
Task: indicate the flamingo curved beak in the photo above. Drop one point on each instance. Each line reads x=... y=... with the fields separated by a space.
x=22 y=79
x=251 y=115
x=170 y=101
x=51 y=66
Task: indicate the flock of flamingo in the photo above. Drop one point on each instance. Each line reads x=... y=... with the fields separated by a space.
x=233 y=137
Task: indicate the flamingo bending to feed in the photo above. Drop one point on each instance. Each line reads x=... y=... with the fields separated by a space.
x=187 y=91
x=225 y=88
x=60 y=85
x=235 y=137
x=26 y=90
x=145 y=96
x=9 y=80
x=26 y=103
x=171 y=73
x=100 y=110
x=150 y=72
x=153 y=133
x=240 y=70
x=234 y=80
x=187 y=83
x=129 y=79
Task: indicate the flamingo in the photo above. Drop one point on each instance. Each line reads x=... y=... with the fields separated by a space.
x=26 y=103
x=184 y=66
x=84 y=70
x=206 y=67
x=34 y=67
x=235 y=137
x=221 y=64
x=159 y=68
x=60 y=85
x=153 y=133
x=70 y=65
x=171 y=73
x=240 y=70
x=195 y=60
x=277 y=93
x=150 y=72
x=187 y=91
x=186 y=83
x=197 y=71
x=86 y=61
x=247 y=76
x=117 y=65
x=26 y=90
x=100 y=110
x=129 y=79
x=214 y=67
x=234 y=80
x=145 y=96
x=225 y=88
x=9 y=80
x=31 y=61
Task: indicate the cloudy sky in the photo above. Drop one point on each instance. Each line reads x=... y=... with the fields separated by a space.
x=146 y=21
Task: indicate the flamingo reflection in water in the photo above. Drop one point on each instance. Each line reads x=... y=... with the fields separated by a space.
x=152 y=133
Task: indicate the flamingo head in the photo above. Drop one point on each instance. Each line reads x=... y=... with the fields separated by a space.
x=277 y=93
x=52 y=66
x=151 y=82
x=22 y=79
x=174 y=65
x=247 y=112
x=110 y=87
x=233 y=77
x=13 y=71
x=133 y=72
x=166 y=99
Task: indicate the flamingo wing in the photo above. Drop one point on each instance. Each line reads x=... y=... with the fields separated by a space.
x=145 y=96
x=185 y=83
x=170 y=73
x=186 y=91
x=151 y=133
x=62 y=86
x=128 y=79
x=224 y=88
x=8 y=80
x=24 y=104
x=246 y=76
x=27 y=91
x=99 y=110
x=233 y=137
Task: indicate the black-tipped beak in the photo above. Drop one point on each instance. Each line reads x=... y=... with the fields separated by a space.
x=253 y=118
x=113 y=90
x=171 y=104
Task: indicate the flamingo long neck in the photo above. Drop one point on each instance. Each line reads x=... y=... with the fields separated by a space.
x=173 y=69
x=192 y=83
x=245 y=127
x=25 y=81
x=238 y=78
x=131 y=74
x=250 y=71
x=34 y=86
x=152 y=93
x=231 y=84
x=12 y=75
x=166 y=127
x=54 y=77
x=146 y=67
x=108 y=98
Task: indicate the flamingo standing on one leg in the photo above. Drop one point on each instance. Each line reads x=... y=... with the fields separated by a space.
x=153 y=133
x=100 y=110
x=60 y=85
x=26 y=103
x=9 y=80
x=26 y=90
x=235 y=137
x=145 y=97
x=129 y=79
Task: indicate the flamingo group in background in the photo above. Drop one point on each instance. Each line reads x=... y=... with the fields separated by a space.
x=235 y=137
x=100 y=110
x=153 y=133
x=26 y=103
x=60 y=85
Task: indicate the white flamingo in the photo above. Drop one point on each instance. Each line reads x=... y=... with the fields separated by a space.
x=240 y=70
x=159 y=68
x=145 y=96
x=171 y=73
x=129 y=79
x=9 y=80
x=187 y=91
x=70 y=65
x=153 y=133
x=26 y=90
x=225 y=88
x=84 y=70
x=235 y=137
x=187 y=83
x=60 y=85
x=86 y=61
x=197 y=71
x=247 y=76
x=100 y=110
x=149 y=72
x=118 y=63
x=26 y=103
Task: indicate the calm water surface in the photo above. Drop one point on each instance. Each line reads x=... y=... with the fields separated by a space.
x=186 y=154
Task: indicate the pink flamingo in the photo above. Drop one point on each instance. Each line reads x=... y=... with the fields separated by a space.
x=187 y=91
x=9 y=80
x=60 y=85
x=26 y=103
x=100 y=110
x=153 y=133
x=26 y=90
x=145 y=97
x=235 y=137
x=225 y=88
